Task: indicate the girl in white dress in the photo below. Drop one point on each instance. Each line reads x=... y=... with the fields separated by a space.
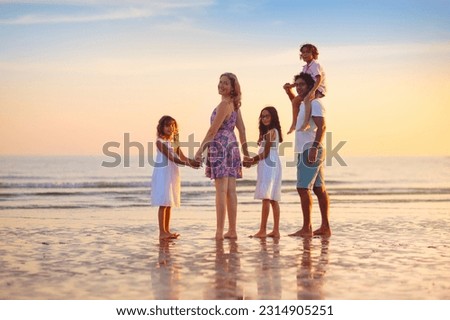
x=166 y=177
x=268 y=184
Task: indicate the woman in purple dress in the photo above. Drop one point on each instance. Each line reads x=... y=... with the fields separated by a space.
x=223 y=162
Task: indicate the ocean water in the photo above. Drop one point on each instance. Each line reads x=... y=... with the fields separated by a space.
x=72 y=229
x=54 y=183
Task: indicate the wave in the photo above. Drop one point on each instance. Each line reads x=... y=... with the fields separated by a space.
x=390 y=191
x=193 y=187
x=122 y=183
x=74 y=185
x=72 y=206
x=199 y=205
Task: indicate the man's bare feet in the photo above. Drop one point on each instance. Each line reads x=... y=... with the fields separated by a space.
x=174 y=235
x=230 y=235
x=307 y=233
x=274 y=234
x=323 y=231
x=259 y=234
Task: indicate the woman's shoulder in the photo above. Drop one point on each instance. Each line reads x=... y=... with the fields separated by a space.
x=224 y=106
x=225 y=109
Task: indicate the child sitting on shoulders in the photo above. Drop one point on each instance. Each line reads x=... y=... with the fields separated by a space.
x=309 y=54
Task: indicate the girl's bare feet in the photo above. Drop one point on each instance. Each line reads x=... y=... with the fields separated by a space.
x=174 y=235
x=323 y=231
x=165 y=236
x=274 y=234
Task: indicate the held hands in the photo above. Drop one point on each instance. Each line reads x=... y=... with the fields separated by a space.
x=248 y=162
x=198 y=156
x=194 y=163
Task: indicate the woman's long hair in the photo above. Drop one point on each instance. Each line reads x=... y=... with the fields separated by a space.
x=274 y=123
x=235 y=89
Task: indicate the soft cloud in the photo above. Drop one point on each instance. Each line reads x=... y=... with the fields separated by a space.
x=106 y=10
x=164 y=3
x=52 y=19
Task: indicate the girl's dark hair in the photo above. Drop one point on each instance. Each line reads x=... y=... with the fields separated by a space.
x=162 y=122
x=309 y=80
x=312 y=48
x=274 y=123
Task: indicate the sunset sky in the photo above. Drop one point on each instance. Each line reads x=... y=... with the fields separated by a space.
x=76 y=74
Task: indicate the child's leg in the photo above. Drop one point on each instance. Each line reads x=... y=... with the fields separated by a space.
x=276 y=220
x=163 y=234
x=305 y=124
x=167 y=219
x=264 y=216
x=167 y=223
x=295 y=109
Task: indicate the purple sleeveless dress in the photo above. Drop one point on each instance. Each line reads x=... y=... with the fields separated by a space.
x=224 y=159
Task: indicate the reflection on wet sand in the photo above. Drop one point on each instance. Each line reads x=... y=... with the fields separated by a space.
x=268 y=274
x=227 y=266
x=311 y=271
x=225 y=282
x=165 y=274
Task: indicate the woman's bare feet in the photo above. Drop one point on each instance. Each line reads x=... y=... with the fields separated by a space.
x=274 y=234
x=305 y=233
x=323 y=231
x=219 y=236
x=259 y=234
x=230 y=235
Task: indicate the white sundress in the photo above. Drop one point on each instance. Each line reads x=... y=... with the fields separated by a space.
x=268 y=183
x=166 y=181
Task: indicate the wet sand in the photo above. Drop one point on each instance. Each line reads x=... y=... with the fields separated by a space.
x=378 y=252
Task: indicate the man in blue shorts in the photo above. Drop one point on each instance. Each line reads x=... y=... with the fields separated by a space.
x=310 y=153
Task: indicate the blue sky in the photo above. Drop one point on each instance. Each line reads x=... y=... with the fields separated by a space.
x=91 y=60
x=352 y=20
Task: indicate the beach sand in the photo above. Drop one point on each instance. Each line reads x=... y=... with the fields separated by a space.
x=375 y=252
